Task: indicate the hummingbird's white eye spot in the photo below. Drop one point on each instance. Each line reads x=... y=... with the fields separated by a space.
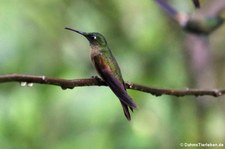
x=94 y=37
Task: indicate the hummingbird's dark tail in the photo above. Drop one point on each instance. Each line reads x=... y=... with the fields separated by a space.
x=125 y=100
x=126 y=111
x=120 y=91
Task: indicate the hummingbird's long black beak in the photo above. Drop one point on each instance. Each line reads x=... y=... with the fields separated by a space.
x=79 y=32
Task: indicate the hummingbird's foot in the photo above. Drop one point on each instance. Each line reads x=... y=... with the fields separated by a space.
x=95 y=77
x=98 y=79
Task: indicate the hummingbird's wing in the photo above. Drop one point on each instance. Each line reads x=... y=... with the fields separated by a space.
x=115 y=84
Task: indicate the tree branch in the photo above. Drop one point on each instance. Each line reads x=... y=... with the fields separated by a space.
x=204 y=20
x=96 y=81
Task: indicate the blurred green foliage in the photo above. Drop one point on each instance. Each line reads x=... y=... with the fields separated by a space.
x=148 y=47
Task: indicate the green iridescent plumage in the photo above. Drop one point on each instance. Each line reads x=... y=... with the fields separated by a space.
x=111 y=62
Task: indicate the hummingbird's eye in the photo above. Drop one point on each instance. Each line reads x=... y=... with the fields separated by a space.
x=93 y=37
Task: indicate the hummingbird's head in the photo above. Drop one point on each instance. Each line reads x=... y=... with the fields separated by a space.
x=94 y=38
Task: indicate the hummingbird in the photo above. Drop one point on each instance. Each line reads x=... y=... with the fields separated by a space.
x=108 y=69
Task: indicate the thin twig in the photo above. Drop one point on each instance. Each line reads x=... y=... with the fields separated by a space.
x=95 y=81
x=169 y=9
x=193 y=23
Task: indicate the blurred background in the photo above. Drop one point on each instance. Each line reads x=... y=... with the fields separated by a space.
x=149 y=48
